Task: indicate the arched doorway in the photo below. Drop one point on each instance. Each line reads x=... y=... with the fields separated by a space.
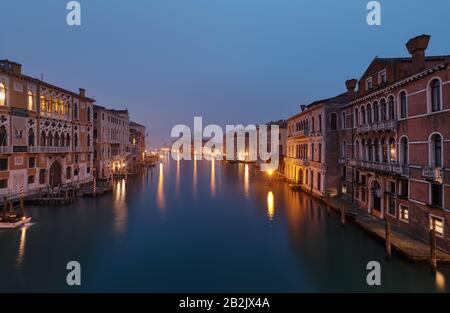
x=376 y=197
x=300 y=176
x=55 y=174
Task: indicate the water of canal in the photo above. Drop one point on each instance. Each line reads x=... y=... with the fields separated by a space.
x=200 y=226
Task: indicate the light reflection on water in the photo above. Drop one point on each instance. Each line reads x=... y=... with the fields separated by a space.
x=209 y=235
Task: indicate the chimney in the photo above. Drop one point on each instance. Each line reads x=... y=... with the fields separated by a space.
x=82 y=92
x=351 y=85
x=416 y=47
x=16 y=68
x=303 y=107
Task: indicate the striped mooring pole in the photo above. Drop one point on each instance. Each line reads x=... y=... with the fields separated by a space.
x=21 y=196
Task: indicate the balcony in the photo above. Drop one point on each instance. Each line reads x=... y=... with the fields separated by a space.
x=400 y=169
x=54 y=149
x=77 y=149
x=432 y=173
x=33 y=149
x=299 y=162
x=378 y=126
x=6 y=149
x=342 y=161
x=299 y=134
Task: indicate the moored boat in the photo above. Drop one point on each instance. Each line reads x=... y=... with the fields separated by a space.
x=13 y=220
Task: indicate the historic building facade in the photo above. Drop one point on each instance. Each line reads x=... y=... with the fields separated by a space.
x=312 y=146
x=45 y=133
x=395 y=142
x=112 y=148
x=137 y=142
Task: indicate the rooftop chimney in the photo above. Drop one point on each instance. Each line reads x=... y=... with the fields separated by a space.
x=351 y=85
x=416 y=47
x=16 y=68
x=82 y=92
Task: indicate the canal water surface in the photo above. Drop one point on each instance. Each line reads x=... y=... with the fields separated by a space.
x=201 y=227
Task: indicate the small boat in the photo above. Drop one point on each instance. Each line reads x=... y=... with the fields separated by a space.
x=13 y=220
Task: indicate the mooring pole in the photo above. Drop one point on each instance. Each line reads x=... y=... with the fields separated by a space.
x=342 y=215
x=388 y=239
x=433 y=261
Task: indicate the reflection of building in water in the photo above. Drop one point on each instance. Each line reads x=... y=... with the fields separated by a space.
x=120 y=207
x=22 y=242
x=194 y=183
x=160 y=191
x=177 y=178
x=270 y=205
x=440 y=281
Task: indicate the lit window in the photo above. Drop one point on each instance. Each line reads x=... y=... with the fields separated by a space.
x=30 y=101
x=42 y=104
x=404 y=213
x=437 y=223
x=2 y=94
x=61 y=107
x=55 y=105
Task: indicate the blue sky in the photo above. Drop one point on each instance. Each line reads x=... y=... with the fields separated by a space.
x=230 y=61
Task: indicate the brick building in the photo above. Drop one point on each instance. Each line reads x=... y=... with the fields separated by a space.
x=45 y=133
x=395 y=141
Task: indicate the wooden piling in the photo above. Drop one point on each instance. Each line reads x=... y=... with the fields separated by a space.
x=328 y=203
x=433 y=261
x=388 y=239
x=342 y=215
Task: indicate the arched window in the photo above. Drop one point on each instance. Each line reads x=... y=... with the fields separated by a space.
x=356 y=117
x=357 y=151
x=75 y=111
x=383 y=110
x=3 y=136
x=2 y=94
x=376 y=118
x=404 y=151
x=392 y=150
x=369 y=150
x=376 y=145
x=50 y=139
x=344 y=120
x=61 y=141
x=333 y=121
x=384 y=151
x=88 y=140
x=403 y=105
x=391 y=108
x=436 y=150
x=435 y=89
x=363 y=115
x=75 y=140
x=42 y=140
x=369 y=113
x=30 y=101
x=56 y=140
x=68 y=140
x=30 y=137
x=344 y=149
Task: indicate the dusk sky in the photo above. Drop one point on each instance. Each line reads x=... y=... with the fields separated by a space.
x=230 y=61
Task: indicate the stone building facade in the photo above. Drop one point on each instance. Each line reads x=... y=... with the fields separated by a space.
x=45 y=133
x=312 y=146
x=137 y=142
x=112 y=148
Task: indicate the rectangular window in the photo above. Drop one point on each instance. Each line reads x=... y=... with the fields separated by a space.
x=436 y=195
x=404 y=213
x=42 y=176
x=363 y=195
x=391 y=205
x=369 y=84
x=31 y=162
x=382 y=77
x=404 y=189
x=319 y=180
x=4 y=164
x=3 y=183
x=31 y=179
x=437 y=223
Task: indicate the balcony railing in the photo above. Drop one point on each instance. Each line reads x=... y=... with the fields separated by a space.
x=6 y=149
x=433 y=173
x=378 y=126
x=54 y=149
x=300 y=162
x=33 y=149
x=392 y=168
x=300 y=133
